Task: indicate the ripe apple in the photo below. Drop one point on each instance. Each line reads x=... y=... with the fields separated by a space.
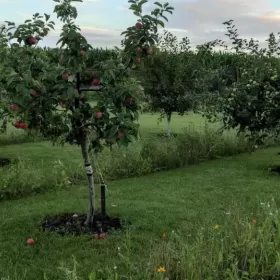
x=96 y=82
x=34 y=93
x=16 y=124
x=137 y=59
x=14 y=107
x=120 y=134
x=98 y=115
x=139 y=50
x=32 y=41
x=149 y=51
x=30 y=241
x=82 y=52
x=23 y=125
x=102 y=235
x=65 y=76
x=138 y=25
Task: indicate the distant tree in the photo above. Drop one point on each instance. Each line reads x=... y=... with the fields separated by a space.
x=170 y=77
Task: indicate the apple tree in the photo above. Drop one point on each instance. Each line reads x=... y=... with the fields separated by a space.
x=52 y=100
x=252 y=103
x=170 y=77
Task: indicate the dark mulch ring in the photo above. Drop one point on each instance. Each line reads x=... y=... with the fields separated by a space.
x=5 y=162
x=73 y=224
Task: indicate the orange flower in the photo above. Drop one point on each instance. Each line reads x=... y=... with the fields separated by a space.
x=216 y=227
x=161 y=269
x=254 y=222
x=163 y=235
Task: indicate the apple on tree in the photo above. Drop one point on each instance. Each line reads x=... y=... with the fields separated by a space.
x=92 y=127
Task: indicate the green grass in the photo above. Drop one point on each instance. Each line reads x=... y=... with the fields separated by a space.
x=185 y=199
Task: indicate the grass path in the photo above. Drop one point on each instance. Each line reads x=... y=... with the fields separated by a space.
x=184 y=199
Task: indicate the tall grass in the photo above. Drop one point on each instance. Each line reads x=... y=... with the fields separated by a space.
x=151 y=155
x=244 y=247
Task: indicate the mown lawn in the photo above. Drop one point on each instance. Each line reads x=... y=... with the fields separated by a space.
x=185 y=199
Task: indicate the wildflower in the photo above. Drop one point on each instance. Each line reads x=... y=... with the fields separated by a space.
x=216 y=227
x=254 y=222
x=161 y=269
x=163 y=235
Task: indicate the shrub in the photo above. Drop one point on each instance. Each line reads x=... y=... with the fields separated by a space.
x=23 y=178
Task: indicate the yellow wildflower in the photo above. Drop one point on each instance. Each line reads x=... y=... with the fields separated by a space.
x=161 y=269
x=216 y=227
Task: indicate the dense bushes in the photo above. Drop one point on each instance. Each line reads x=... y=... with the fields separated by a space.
x=152 y=154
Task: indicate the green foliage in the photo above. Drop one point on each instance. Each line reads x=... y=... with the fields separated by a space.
x=169 y=76
x=251 y=103
x=38 y=86
x=151 y=155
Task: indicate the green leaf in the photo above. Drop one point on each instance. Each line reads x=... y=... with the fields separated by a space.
x=47 y=17
x=158 y=4
x=113 y=131
x=161 y=23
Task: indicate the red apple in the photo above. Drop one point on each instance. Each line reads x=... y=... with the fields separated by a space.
x=30 y=241
x=14 y=107
x=120 y=134
x=138 y=25
x=149 y=51
x=137 y=59
x=96 y=82
x=16 y=124
x=34 y=93
x=82 y=52
x=32 y=41
x=98 y=115
x=65 y=76
x=102 y=235
x=23 y=125
x=139 y=50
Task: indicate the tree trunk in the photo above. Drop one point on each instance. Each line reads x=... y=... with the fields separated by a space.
x=89 y=172
x=168 y=118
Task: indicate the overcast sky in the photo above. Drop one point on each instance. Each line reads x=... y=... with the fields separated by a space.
x=102 y=21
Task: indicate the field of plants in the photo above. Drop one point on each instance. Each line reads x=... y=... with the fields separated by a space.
x=149 y=161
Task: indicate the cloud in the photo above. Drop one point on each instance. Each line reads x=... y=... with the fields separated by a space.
x=199 y=20
x=203 y=18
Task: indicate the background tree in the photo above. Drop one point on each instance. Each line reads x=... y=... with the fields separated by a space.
x=170 y=77
x=252 y=103
x=51 y=100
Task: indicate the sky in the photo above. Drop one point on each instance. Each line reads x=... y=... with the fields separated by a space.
x=102 y=21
